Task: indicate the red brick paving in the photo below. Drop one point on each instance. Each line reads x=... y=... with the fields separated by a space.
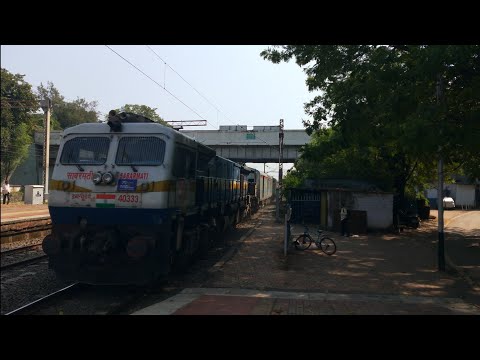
x=346 y=305
x=219 y=305
x=397 y=264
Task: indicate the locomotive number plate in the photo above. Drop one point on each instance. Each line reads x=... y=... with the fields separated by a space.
x=128 y=200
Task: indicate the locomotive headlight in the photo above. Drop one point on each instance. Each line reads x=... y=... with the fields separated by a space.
x=97 y=178
x=107 y=178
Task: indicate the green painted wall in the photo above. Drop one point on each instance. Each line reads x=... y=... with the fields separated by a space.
x=29 y=172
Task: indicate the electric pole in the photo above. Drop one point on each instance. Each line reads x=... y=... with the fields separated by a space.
x=280 y=169
x=46 y=107
x=280 y=162
x=441 y=235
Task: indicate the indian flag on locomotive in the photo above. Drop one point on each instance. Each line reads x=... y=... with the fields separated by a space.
x=105 y=201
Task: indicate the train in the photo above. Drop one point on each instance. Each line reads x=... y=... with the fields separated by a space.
x=131 y=200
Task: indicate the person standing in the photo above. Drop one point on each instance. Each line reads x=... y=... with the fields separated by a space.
x=6 y=192
x=344 y=221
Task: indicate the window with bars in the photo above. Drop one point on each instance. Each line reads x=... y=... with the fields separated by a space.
x=85 y=151
x=140 y=150
x=184 y=163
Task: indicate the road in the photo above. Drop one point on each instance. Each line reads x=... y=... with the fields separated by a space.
x=462 y=241
x=467 y=223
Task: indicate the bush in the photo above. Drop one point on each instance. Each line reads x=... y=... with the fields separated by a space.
x=17 y=196
x=422 y=197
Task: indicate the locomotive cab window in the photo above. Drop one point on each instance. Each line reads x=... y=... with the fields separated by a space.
x=144 y=150
x=85 y=150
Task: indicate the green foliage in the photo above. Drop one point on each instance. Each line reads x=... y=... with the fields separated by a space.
x=329 y=156
x=381 y=103
x=143 y=110
x=293 y=179
x=77 y=112
x=17 y=196
x=18 y=104
x=38 y=121
x=64 y=113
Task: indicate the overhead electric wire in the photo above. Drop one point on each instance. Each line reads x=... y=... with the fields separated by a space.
x=198 y=92
x=218 y=110
x=164 y=88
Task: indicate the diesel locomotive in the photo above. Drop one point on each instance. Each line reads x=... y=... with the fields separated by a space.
x=131 y=199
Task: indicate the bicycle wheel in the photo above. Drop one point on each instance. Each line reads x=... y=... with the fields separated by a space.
x=303 y=242
x=328 y=246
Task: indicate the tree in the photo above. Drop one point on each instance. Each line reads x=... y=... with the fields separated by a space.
x=143 y=110
x=383 y=97
x=66 y=114
x=328 y=156
x=18 y=104
x=38 y=121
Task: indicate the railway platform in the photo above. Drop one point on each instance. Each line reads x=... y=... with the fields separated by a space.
x=21 y=222
x=372 y=274
x=19 y=211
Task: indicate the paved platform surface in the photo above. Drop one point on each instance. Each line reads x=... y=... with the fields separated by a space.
x=19 y=211
x=370 y=274
x=201 y=301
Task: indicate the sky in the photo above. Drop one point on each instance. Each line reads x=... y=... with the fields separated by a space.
x=226 y=85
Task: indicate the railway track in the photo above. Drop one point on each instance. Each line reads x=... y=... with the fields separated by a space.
x=21 y=248
x=83 y=299
x=21 y=256
x=94 y=300
x=29 y=308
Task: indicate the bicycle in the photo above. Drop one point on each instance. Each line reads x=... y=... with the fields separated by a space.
x=326 y=244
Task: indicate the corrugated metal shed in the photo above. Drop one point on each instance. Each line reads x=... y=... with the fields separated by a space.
x=369 y=209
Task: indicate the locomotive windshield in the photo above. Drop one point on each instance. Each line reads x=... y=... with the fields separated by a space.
x=85 y=151
x=145 y=150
